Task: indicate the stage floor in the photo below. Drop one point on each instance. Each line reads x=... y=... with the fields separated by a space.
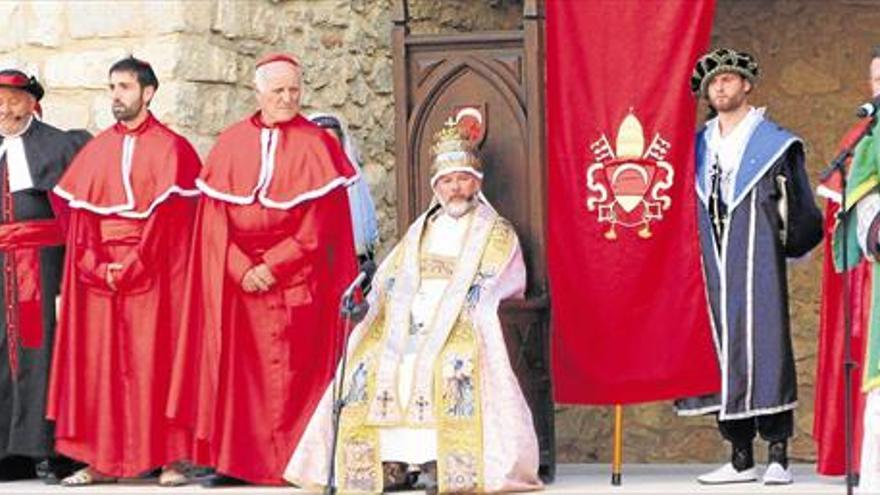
x=654 y=479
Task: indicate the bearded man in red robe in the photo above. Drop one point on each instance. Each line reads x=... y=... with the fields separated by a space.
x=131 y=192
x=272 y=254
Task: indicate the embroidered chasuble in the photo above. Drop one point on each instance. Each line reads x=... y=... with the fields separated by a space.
x=428 y=375
x=441 y=247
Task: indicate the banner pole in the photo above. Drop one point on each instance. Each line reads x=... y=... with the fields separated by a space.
x=617 y=460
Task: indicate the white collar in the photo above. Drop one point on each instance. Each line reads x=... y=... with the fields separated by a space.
x=16 y=160
x=751 y=118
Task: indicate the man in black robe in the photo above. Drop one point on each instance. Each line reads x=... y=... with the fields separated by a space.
x=33 y=155
x=755 y=210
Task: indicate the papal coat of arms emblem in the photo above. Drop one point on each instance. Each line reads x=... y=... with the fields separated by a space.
x=627 y=184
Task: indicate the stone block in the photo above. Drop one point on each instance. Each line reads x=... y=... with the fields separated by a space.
x=219 y=106
x=178 y=16
x=200 y=142
x=102 y=113
x=164 y=55
x=231 y=18
x=66 y=111
x=235 y=19
x=85 y=69
x=203 y=62
x=387 y=230
x=358 y=92
x=15 y=61
x=359 y=41
x=170 y=103
x=11 y=25
x=381 y=76
x=214 y=114
x=44 y=23
x=193 y=59
x=377 y=179
x=308 y=99
x=106 y=19
x=331 y=40
x=243 y=103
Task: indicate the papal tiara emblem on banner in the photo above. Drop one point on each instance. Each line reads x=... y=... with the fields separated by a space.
x=627 y=184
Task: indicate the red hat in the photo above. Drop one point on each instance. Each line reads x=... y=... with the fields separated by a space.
x=277 y=57
x=12 y=78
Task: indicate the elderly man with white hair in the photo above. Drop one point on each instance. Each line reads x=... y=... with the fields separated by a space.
x=273 y=252
x=430 y=397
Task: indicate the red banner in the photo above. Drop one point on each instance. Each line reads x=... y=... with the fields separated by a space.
x=630 y=318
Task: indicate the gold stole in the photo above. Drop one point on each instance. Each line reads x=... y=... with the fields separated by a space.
x=454 y=409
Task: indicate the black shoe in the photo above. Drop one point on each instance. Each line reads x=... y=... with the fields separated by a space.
x=778 y=452
x=742 y=457
x=221 y=481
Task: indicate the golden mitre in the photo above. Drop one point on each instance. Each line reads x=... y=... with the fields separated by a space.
x=454 y=151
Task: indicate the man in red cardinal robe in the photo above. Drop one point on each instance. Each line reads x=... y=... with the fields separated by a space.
x=272 y=254
x=131 y=192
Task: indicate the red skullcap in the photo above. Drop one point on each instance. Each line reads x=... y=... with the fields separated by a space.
x=277 y=57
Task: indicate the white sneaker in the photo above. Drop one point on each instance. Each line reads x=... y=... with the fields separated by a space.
x=778 y=475
x=727 y=474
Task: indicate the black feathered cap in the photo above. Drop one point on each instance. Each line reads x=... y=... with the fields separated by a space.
x=722 y=60
x=13 y=78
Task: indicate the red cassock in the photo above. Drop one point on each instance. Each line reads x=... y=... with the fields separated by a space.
x=132 y=198
x=828 y=407
x=251 y=367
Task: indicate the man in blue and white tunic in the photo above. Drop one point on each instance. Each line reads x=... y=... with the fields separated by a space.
x=755 y=210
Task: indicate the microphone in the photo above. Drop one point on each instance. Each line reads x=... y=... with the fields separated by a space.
x=354 y=285
x=868 y=109
x=853 y=138
x=368 y=268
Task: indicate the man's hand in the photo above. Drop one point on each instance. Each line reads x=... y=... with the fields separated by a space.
x=113 y=271
x=258 y=279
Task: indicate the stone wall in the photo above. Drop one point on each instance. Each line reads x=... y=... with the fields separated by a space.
x=448 y=16
x=203 y=52
x=812 y=53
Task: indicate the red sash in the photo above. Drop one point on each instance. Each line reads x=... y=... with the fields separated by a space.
x=20 y=242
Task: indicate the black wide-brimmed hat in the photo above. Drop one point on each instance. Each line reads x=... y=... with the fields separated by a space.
x=13 y=78
x=722 y=60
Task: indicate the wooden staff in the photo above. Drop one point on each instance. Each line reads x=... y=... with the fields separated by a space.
x=617 y=461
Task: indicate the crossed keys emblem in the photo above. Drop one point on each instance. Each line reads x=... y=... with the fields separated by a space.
x=627 y=184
